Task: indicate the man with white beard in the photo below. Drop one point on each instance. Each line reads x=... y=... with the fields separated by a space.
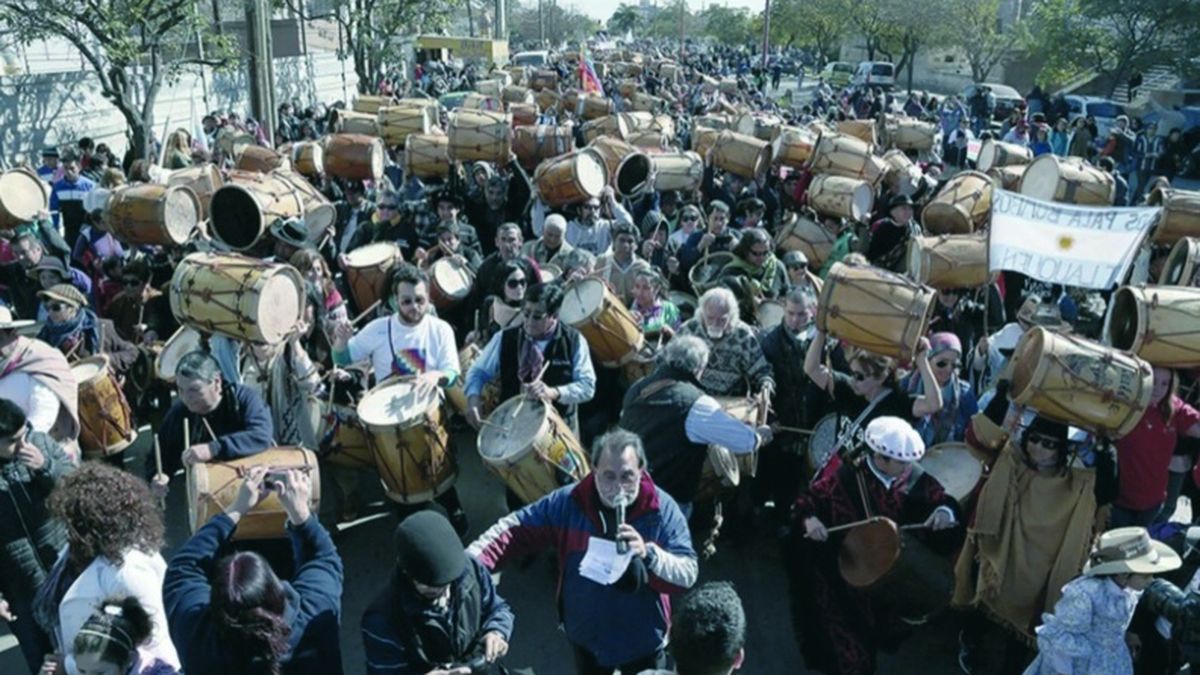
x=736 y=357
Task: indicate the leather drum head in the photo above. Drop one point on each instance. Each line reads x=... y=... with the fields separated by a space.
x=868 y=552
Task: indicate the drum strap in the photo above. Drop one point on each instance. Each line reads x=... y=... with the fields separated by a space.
x=655 y=387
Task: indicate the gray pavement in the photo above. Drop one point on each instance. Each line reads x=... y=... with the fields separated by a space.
x=366 y=549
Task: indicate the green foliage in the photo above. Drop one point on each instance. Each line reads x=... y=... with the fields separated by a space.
x=820 y=24
x=728 y=25
x=626 y=18
x=562 y=24
x=974 y=26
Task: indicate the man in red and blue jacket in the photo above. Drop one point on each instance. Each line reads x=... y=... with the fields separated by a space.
x=610 y=626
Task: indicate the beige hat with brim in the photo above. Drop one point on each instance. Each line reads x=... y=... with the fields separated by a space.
x=1130 y=550
x=64 y=293
x=9 y=322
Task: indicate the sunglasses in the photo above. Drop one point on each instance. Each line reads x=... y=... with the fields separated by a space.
x=944 y=363
x=859 y=376
x=514 y=283
x=800 y=266
x=691 y=219
x=57 y=306
x=759 y=254
x=1048 y=442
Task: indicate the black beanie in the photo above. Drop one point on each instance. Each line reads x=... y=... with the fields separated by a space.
x=428 y=550
x=1048 y=427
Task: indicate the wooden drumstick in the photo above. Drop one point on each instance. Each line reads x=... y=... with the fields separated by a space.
x=794 y=430
x=914 y=526
x=187 y=433
x=847 y=526
x=366 y=311
x=517 y=409
x=209 y=428
x=74 y=348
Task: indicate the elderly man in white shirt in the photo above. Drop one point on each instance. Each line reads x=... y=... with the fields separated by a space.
x=592 y=233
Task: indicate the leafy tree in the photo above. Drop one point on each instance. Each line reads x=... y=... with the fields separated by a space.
x=131 y=46
x=912 y=27
x=626 y=18
x=974 y=26
x=727 y=25
x=563 y=24
x=820 y=24
x=665 y=23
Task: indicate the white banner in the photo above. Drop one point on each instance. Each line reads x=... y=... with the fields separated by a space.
x=1065 y=244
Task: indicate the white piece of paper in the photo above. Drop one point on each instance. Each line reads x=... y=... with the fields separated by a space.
x=602 y=564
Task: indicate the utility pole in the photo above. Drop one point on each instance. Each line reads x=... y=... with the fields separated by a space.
x=500 y=25
x=262 y=73
x=541 y=25
x=470 y=20
x=766 y=33
x=682 y=14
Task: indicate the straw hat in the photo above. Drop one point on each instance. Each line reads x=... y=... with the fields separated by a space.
x=1130 y=550
x=9 y=321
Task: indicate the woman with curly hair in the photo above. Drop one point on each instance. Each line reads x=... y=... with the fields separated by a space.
x=114 y=534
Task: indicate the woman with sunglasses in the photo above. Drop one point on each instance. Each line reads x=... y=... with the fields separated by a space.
x=716 y=237
x=959 y=403
x=502 y=306
x=75 y=330
x=1032 y=528
x=755 y=268
x=869 y=390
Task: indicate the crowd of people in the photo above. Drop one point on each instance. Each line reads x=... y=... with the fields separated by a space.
x=650 y=371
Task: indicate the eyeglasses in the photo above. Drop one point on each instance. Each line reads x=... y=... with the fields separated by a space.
x=57 y=306
x=798 y=266
x=759 y=253
x=514 y=283
x=1047 y=442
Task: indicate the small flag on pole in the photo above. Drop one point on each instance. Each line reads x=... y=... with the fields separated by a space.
x=587 y=75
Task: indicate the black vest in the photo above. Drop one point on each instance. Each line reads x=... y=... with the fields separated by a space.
x=559 y=354
x=659 y=418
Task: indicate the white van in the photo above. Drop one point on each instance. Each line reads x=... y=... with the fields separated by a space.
x=875 y=74
x=535 y=59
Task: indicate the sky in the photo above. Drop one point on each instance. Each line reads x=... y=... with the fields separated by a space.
x=603 y=9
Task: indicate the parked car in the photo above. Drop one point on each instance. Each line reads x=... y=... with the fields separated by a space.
x=535 y=59
x=1103 y=110
x=875 y=74
x=1007 y=98
x=838 y=73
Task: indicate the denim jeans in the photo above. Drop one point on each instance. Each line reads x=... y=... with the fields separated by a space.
x=1122 y=517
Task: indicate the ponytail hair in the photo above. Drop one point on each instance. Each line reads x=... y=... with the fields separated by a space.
x=248 y=603
x=114 y=631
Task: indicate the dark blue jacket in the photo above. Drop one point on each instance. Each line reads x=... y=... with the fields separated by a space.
x=313 y=610
x=241 y=422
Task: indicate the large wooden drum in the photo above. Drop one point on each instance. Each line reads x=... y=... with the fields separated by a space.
x=611 y=151
x=949 y=260
x=792 y=146
x=1158 y=324
x=1077 y=381
x=682 y=171
x=354 y=156
x=863 y=130
x=183 y=342
x=367 y=268
x=963 y=205
x=106 y=424
x=260 y=159
x=308 y=158
x=998 y=153
x=480 y=136
x=244 y=208
x=879 y=559
x=243 y=298
x=449 y=282
x=152 y=214
x=742 y=155
x=1180 y=214
x=595 y=106
x=900 y=174
x=534 y=145
x=350 y=122
x=203 y=180
x=476 y=101
x=571 y=178
x=846 y=156
x=874 y=309
x=848 y=198
x=809 y=236
x=319 y=214
x=23 y=194
x=617 y=126
x=524 y=114
x=706 y=273
x=516 y=95
x=426 y=156
x=1070 y=180
x=213 y=487
x=1008 y=177
x=533 y=450
x=1182 y=264
x=908 y=133
x=955 y=467
x=409 y=440
x=456 y=394
x=635 y=175
x=703 y=140
x=397 y=123
x=612 y=333
x=348 y=446
x=368 y=104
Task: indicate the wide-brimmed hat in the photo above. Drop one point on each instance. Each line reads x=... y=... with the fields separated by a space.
x=64 y=293
x=895 y=438
x=1130 y=550
x=9 y=321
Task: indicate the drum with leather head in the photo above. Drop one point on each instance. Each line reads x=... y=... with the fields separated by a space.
x=1181 y=265
x=612 y=152
x=213 y=488
x=533 y=450
x=152 y=215
x=901 y=175
x=354 y=156
x=319 y=213
x=203 y=180
x=1070 y=180
x=595 y=106
x=879 y=559
x=706 y=273
x=477 y=101
x=457 y=395
x=1077 y=381
x=358 y=123
x=408 y=438
x=240 y=297
x=245 y=207
x=792 y=146
x=616 y=126
x=703 y=140
x=846 y=156
x=398 y=122
x=524 y=115
x=769 y=314
x=955 y=467
x=1180 y=214
x=368 y=104
x=719 y=474
x=23 y=195
x=963 y=205
x=909 y=133
x=544 y=79
x=571 y=178
x=994 y=153
x=183 y=342
x=308 y=158
x=347 y=444
x=805 y=234
x=1158 y=324
x=863 y=130
x=842 y=197
x=742 y=155
x=1008 y=177
x=612 y=333
x=822 y=444
x=426 y=155
x=874 y=309
x=681 y=171
x=366 y=270
x=480 y=136
x=517 y=95
x=534 y=145
x=450 y=282
x=686 y=302
x=747 y=411
x=949 y=260
x=106 y=424
x=261 y=159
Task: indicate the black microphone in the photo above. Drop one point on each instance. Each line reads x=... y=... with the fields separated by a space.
x=622 y=545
